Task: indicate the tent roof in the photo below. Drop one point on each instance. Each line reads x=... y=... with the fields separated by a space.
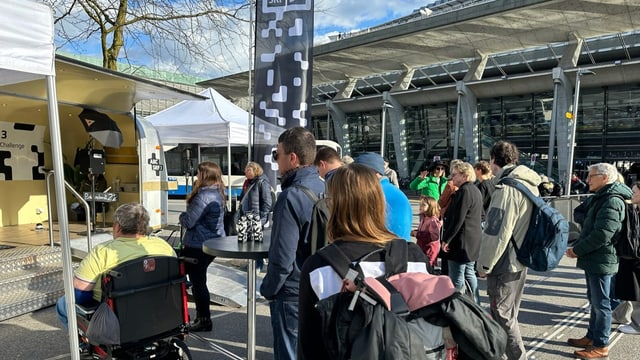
x=215 y=121
x=27 y=46
x=89 y=86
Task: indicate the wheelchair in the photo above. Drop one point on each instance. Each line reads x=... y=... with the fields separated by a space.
x=148 y=296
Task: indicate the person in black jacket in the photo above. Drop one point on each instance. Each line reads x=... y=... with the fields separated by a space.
x=256 y=193
x=357 y=227
x=291 y=223
x=204 y=219
x=462 y=233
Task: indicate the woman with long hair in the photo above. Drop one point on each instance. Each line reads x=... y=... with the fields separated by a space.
x=357 y=227
x=204 y=219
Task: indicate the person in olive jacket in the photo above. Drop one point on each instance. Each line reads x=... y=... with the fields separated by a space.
x=596 y=255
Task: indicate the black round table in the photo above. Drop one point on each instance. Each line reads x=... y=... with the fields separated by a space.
x=229 y=247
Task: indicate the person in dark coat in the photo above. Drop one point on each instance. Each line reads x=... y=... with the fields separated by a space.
x=291 y=223
x=462 y=233
x=203 y=220
x=256 y=193
x=486 y=183
x=596 y=255
x=628 y=283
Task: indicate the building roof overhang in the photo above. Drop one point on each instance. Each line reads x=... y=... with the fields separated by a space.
x=486 y=28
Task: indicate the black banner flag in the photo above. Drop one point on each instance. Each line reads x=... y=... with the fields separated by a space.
x=283 y=69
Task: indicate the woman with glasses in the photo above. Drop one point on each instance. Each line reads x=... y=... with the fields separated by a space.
x=431 y=181
x=256 y=193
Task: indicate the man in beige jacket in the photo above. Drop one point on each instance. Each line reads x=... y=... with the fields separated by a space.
x=507 y=218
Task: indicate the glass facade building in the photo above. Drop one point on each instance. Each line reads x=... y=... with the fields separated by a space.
x=608 y=126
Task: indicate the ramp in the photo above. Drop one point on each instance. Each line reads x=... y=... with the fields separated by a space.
x=30 y=279
x=227 y=285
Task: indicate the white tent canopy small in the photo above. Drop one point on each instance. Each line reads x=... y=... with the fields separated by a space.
x=27 y=53
x=215 y=121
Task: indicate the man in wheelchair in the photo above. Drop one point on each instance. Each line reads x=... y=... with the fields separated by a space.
x=138 y=279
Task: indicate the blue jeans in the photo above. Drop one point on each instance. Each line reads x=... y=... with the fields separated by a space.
x=612 y=294
x=284 y=322
x=459 y=272
x=61 y=309
x=598 y=289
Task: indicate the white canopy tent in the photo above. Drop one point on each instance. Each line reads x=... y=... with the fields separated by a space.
x=28 y=53
x=215 y=121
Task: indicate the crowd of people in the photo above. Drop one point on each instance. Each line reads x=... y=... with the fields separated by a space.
x=468 y=229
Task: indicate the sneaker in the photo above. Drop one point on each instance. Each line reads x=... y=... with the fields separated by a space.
x=582 y=342
x=592 y=352
x=628 y=329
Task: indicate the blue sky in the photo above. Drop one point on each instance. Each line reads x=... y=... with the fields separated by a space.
x=231 y=56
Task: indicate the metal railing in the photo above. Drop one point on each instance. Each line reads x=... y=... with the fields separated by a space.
x=565 y=205
x=80 y=199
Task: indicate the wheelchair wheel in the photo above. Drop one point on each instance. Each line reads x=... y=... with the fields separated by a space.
x=179 y=351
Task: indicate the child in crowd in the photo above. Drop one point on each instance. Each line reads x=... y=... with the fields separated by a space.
x=428 y=232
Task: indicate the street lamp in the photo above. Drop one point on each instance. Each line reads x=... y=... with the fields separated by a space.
x=574 y=124
x=385 y=106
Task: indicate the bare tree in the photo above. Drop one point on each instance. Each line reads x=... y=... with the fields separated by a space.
x=186 y=31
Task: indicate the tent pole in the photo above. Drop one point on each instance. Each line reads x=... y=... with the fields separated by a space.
x=250 y=87
x=63 y=223
x=229 y=166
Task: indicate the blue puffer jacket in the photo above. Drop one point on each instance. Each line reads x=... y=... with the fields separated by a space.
x=204 y=218
x=291 y=222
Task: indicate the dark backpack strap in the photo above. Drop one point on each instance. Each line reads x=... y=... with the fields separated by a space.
x=307 y=191
x=395 y=262
x=340 y=262
x=314 y=229
x=396 y=257
x=336 y=258
x=535 y=200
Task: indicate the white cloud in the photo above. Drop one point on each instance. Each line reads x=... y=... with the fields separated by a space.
x=341 y=15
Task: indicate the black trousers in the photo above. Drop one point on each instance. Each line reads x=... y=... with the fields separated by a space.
x=198 y=276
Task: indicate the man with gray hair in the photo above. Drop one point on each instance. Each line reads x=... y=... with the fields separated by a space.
x=130 y=226
x=596 y=254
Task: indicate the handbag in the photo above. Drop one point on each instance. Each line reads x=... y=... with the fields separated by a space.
x=104 y=327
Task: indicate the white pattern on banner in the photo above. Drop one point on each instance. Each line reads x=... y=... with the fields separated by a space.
x=21 y=151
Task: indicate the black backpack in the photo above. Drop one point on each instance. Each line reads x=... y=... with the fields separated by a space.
x=628 y=243
x=317 y=236
x=547 y=237
x=358 y=325
x=402 y=315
